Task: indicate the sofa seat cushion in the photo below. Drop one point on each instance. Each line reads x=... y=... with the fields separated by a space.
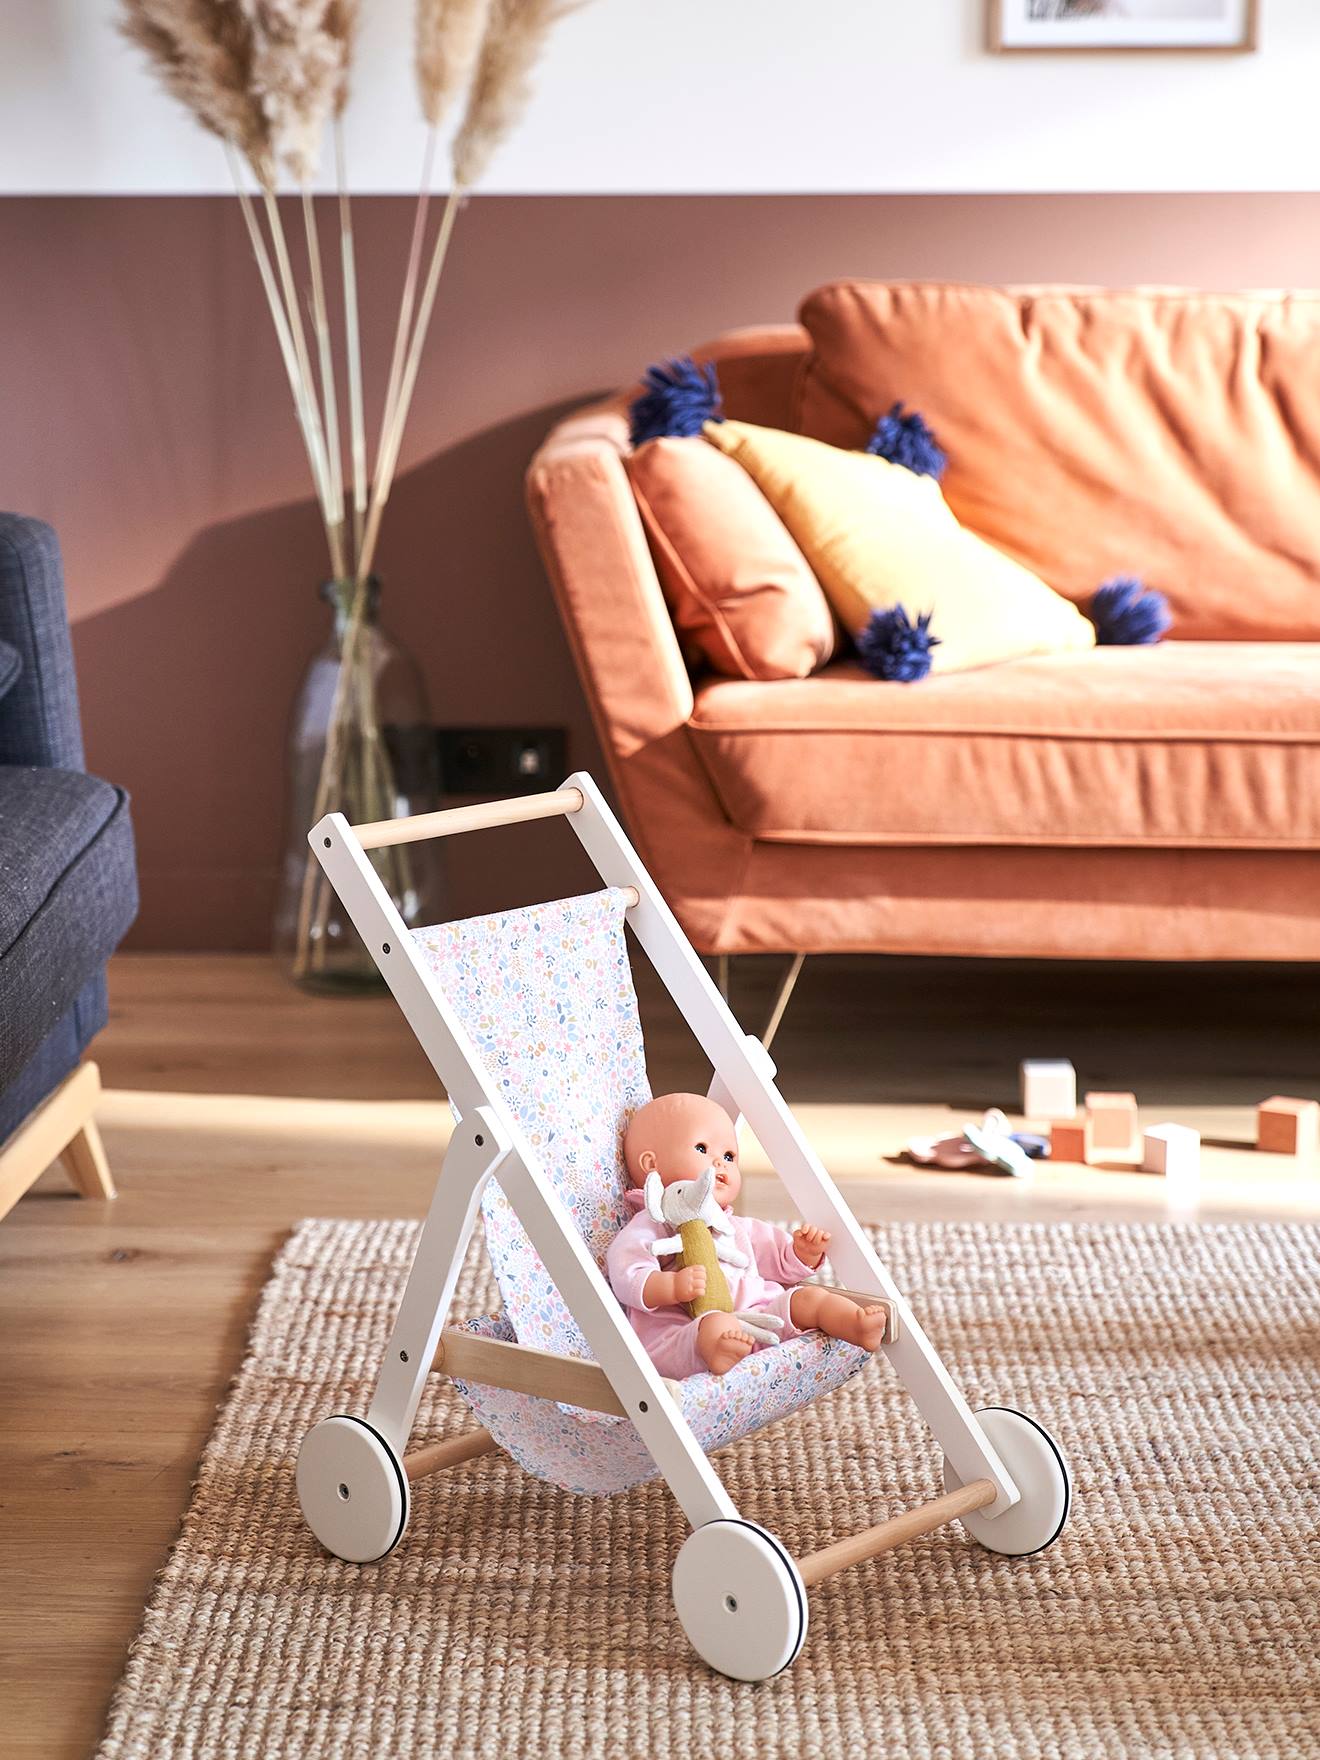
x=68 y=891
x=1185 y=745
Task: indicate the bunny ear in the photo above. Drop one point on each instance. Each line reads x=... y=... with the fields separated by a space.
x=701 y=1191
x=653 y=1196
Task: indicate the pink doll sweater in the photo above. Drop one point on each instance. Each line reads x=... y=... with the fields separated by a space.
x=669 y=1334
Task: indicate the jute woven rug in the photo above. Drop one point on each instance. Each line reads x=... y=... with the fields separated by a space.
x=1179 y=1615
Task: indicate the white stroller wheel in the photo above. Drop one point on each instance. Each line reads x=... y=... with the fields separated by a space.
x=1038 y=1469
x=353 y=1489
x=740 y=1599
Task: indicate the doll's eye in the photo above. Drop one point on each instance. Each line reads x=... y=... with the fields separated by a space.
x=728 y=1155
x=700 y=1148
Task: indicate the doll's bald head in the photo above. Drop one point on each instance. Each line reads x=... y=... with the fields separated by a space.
x=679 y=1136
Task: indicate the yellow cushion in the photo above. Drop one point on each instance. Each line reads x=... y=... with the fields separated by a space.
x=876 y=536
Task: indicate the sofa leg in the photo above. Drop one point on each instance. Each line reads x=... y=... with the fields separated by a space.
x=782 y=995
x=722 y=974
x=61 y=1128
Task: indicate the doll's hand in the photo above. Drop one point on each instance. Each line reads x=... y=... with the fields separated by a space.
x=689 y=1283
x=809 y=1244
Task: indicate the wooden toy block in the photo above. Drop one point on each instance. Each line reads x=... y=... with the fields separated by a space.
x=1288 y=1127
x=1173 y=1150
x=1049 y=1089
x=1070 y=1139
x=1114 y=1121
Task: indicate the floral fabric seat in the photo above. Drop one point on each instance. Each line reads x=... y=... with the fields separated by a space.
x=546 y=995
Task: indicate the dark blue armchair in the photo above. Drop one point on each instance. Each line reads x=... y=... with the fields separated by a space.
x=68 y=880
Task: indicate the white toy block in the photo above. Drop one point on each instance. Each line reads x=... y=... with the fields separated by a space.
x=1173 y=1150
x=1049 y=1089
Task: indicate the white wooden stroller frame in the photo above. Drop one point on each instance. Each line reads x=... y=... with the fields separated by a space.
x=487 y=1142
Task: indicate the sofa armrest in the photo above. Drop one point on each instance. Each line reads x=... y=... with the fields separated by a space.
x=39 y=721
x=591 y=538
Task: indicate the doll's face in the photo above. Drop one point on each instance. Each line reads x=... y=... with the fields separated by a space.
x=679 y=1136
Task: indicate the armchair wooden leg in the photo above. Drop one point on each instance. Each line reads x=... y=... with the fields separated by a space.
x=86 y=1163
x=61 y=1128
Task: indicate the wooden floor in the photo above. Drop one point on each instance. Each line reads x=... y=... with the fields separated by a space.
x=235 y=1106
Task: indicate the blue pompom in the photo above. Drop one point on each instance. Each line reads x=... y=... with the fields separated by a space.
x=894 y=648
x=680 y=397
x=1127 y=614
x=906 y=440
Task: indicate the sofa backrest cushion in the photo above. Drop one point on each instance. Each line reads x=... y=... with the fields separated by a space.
x=741 y=593
x=1172 y=436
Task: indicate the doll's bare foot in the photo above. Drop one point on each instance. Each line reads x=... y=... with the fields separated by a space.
x=871 y=1324
x=722 y=1342
x=838 y=1315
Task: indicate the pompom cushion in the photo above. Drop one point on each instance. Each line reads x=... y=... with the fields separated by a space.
x=741 y=593
x=877 y=535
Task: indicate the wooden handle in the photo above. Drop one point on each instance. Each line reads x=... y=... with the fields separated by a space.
x=855 y=1547
x=448 y=824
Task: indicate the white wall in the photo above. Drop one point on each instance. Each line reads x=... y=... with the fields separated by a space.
x=722 y=95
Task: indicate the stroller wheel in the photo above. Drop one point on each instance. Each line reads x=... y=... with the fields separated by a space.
x=352 y=1488
x=740 y=1600
x=1040 y=1473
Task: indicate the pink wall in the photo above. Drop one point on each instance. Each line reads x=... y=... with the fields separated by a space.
x=146 y=416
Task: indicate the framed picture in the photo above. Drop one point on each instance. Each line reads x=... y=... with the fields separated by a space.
x=1123 y=24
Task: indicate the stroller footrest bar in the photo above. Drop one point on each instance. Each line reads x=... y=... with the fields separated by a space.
x=435 y=1455
x=816 y=1566
x=575 y=1381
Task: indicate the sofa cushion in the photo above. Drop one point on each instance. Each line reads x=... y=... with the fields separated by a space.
x=1185 y=745
x=68 y=891
x=879 y=536
x=1174 y=436
x=741 y=593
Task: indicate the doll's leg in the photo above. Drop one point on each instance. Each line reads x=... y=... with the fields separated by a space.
x=722 y=1342
x=826 y=1309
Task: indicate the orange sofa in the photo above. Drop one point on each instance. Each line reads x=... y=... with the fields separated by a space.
x=1126 y=803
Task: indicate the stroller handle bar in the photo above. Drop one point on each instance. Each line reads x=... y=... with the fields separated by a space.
x=383 y=832
x=449 y=824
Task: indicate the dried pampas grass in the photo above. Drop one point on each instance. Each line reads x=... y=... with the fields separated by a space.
x=502 y=86
x=449 y=34
x=202 y=52
x=297 y=72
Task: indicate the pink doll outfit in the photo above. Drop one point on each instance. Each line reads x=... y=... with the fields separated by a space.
x=669 y=1334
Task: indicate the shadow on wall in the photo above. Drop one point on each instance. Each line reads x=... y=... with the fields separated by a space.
x=207 y=662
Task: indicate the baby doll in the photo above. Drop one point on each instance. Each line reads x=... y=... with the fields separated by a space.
x=681 y=1137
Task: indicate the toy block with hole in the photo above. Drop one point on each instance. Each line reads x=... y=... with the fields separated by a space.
x=1049 y=1089
x=1173 y=1150
x=1114 y=1126
x=1288 y=1127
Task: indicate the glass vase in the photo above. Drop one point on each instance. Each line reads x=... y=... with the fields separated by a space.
x=361 y=744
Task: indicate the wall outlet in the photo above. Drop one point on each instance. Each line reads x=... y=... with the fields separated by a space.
x=500 y=760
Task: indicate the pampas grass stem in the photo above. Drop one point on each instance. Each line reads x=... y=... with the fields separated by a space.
x=353 y=346
x=406 y=303
x=325 y=359
x=334 y=523
x=393 y=441
x=283 y=337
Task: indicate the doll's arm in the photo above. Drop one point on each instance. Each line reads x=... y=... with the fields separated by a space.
x=776 y=1256
x=631 y=1269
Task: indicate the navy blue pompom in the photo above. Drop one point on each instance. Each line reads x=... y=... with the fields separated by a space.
x=905 y=439
x=680 y=397
x=1127 y=614
x=894 y=648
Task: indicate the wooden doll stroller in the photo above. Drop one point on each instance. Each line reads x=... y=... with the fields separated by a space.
x=530 y=1020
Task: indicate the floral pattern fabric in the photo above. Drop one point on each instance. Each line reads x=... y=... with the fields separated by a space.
x=546 y=995
x=547 y=998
